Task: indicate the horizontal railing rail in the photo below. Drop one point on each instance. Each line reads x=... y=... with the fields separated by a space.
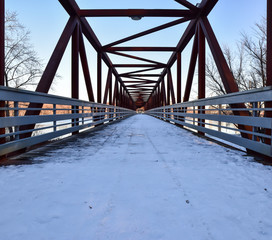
x=58 y=117
x=215 y=117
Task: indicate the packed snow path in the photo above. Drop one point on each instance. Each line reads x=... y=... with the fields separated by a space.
x=139 y=179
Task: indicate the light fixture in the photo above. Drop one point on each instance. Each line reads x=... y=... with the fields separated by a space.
x=136 y=18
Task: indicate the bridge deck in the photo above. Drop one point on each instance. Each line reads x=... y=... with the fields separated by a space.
x=141 y=178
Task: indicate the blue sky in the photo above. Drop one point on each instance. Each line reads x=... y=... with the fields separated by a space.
x=46 y=20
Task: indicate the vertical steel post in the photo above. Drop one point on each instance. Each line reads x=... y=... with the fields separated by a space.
x=2 y=59
x=2 y=41
x=269 y=61
x=54 y=113
x=191 y=70
x=168 y=90
x=170 y=81
x=179 y=77
x=159 y=96
x=75 y=63
x=85 y=67
x=110 y=91
x=75 y=71
x=99 y=77
x=219 y=113
x=201 y=73
x=269 y=43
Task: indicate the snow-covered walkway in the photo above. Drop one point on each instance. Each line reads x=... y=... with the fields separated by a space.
x=140 y=179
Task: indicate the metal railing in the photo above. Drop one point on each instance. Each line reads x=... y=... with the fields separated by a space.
x=58 y=117
x=224 y=118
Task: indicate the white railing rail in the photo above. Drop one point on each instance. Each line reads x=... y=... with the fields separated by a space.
x=214 y=116
x=59 y=116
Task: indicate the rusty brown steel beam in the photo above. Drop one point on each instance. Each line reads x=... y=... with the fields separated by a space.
x=99 y=77
x=138 y=71
x=2 y=61
x=145 y=75
x=73 y=10
x=115 y=92
x=75 y=63
x=167 y=91
x=136 y=57
x=224 y=71
x=269 y=44
x=2 y=42
x=204 y=9
x=138 y=85
x=201 y=73
x=141 y=81
x=138 y=66
x=70 y=6
x=187 y=4
x=52 y=66
x=269 y=62
x=110 y=91
x=137 y=78
x=107 y=87
x=149 y=31
x=75 y=71
x=178 y=77
x=220 y=61
x=135 y=13
x=171 y=87
x=201 y=64
x=141 y=49
x=163 y=92
x=85 y=68
x=50 y=70
x=191 y=70
x=142 y=90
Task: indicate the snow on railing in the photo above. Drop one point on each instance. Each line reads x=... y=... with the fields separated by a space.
x=59 y=117
x=227 y=117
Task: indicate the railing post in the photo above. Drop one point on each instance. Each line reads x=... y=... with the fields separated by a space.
x=201 y=74
x=54 y=113
x=16 y=114
x=193 y=115
x=254 y=114
x=219 y=113
x=82 y=113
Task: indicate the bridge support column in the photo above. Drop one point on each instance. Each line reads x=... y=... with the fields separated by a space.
x=2 y=59
x=179 y=77
x=99 y=77
x=201 y=74
x=269 y=60
x=75 y=72
x=269 y=43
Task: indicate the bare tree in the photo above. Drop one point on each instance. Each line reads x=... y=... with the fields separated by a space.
x=247 y=62
x=22 y=65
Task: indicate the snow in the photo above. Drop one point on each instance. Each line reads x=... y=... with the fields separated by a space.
x=139 y=179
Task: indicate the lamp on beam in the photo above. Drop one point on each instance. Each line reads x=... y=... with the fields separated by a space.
x=136 y=18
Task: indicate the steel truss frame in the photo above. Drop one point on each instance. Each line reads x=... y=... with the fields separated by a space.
x=148 y=93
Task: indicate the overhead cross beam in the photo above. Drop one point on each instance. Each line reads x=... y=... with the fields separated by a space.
x=135 y=57
x=141 y=49
x=135 y=13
